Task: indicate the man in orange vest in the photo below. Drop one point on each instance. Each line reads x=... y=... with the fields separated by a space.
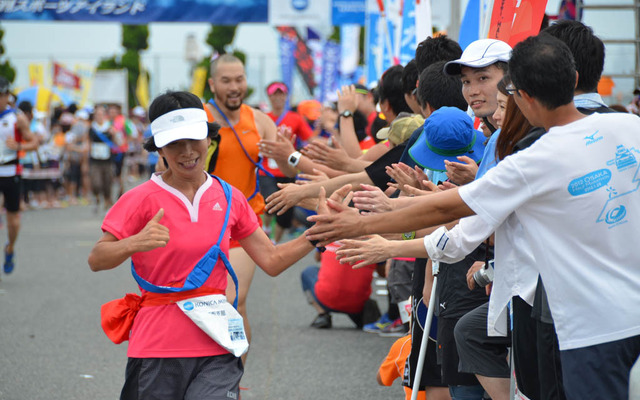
x=236 y=157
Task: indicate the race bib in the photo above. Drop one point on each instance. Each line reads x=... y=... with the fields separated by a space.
x=272 y=163
x=218 y=319
x=100 y=151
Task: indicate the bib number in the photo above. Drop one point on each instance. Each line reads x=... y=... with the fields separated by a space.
x=100 y=151
x=218 y=319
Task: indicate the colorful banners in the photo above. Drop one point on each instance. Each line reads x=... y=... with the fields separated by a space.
x=386 y=37
x=287 y=61
x=349 y=49
x=348 y=12
x=470 y=26
x=330 y=70
x=198 y=82
x=408 y=43
x=568 y=10
x=221 y=12
x=36 y=74
x=218 y=12
x=424 y=25
x=63 y=77
x=302 y=54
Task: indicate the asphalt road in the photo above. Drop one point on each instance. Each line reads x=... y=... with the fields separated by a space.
x=52 y=345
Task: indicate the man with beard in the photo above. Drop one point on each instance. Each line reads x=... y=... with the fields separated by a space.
x=235 y=156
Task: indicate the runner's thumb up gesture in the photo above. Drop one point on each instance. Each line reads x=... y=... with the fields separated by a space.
x=153 y=235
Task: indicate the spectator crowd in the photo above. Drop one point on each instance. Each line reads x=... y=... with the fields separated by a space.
x=495 y=179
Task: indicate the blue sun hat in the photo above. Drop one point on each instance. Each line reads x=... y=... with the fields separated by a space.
x=448 y=133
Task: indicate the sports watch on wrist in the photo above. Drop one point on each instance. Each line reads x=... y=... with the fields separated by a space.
x=346 y=114
x=294 y=158
x=409 y=235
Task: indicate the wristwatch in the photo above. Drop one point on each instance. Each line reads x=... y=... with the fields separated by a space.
x=409 y=235
x=294 y=158
x=346 y=114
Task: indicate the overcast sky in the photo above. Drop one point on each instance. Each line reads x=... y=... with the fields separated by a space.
x=75 y=43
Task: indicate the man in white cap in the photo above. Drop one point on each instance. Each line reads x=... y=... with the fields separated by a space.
x=482 y=65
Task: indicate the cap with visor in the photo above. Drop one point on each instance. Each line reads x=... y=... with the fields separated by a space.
x=185 y=123
x=479 y=54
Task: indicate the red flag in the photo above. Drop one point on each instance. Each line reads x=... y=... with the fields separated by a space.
x=512 y=24
x=65 y=78
x=501 y=19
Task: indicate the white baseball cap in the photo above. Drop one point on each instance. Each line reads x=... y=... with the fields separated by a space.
x=138 y=111
x=480 y=54
x=185 y=123
x=82 y=114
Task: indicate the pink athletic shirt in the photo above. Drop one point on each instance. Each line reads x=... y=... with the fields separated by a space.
x=164 y=331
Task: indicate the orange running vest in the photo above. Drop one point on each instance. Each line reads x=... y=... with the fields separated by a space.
x=232 y=164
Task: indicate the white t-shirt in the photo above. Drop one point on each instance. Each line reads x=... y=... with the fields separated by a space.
x=515 y=272
x=575 y=191
x=7 y=130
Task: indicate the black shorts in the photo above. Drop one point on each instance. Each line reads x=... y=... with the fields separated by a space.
x=399 y=280
x=431 y=376
x=448 y=355
x=73 y=173
x=525 y=352
x=480 y=353
x=195 y=378
x=600 y=371
x=10 y=187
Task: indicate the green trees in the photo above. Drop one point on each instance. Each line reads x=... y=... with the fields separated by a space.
x=6 y=69
x=134 y=40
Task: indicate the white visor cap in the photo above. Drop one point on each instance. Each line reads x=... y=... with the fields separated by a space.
x=185 y=123
x=480 y=54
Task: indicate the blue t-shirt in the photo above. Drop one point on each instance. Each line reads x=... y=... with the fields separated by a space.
x=489 y=159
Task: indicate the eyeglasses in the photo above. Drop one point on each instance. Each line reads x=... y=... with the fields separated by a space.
x=511 y=89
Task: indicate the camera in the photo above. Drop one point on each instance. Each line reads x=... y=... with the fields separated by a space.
x=484 y=276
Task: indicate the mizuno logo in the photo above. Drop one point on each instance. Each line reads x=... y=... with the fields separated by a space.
x=591 y=139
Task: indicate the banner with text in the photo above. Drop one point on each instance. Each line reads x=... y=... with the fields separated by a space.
x=330 y=71
x=219 y=12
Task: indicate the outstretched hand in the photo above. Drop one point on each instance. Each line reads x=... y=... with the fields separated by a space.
x=406 y=177
x=282 y=200
x=462 y=172
x=363 y=252
x=305 y=179
x=334 y=157
x=153 y=235
x=342 y=221
x=371 y=200
x=280 y=148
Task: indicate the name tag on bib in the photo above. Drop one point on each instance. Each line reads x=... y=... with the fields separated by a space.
x=100 y=151
x=218 y=319
x=272 y=163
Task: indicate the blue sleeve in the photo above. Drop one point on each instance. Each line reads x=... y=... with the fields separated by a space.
x=489 y=157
